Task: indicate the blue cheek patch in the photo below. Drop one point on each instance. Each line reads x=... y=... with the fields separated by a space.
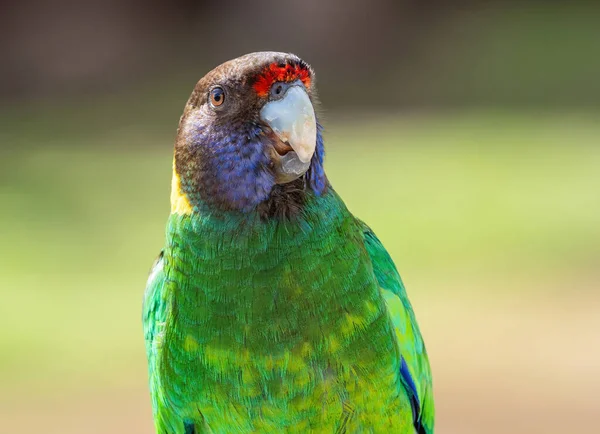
x=235 y=167
x=316 y=173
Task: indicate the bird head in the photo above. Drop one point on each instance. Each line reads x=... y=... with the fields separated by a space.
x=249 y=138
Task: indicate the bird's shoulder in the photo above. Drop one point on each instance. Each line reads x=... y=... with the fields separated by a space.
x=415 y=369
x=153 y=307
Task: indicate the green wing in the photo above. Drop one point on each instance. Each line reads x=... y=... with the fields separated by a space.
x=154 y=317
x=156 y=312
x=153 y=309
x=416 y=373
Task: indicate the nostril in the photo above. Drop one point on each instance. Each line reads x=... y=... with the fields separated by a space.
x=278 y=89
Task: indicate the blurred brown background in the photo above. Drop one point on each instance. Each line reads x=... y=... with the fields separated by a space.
x=465 y=133
x=387 y=53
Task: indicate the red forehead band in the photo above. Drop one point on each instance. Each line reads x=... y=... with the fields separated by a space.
x=278 y=72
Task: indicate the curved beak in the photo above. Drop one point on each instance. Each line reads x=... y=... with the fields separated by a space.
x=292 y=119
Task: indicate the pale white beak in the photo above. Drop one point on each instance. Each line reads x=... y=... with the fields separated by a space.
x=292 y=119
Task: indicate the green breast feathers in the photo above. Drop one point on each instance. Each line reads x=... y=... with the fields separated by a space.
x=299 y=326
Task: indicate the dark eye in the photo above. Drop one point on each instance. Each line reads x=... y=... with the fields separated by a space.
x=217 y=96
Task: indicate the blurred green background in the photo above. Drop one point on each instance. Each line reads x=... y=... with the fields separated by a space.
x=467 y=135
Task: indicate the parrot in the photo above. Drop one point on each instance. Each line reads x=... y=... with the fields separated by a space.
x=271 y=308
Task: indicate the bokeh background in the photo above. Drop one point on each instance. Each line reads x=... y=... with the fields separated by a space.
x=466 y=133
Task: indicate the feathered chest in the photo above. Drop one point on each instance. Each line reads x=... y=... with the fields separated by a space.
x=265 y=283
x=281 y=318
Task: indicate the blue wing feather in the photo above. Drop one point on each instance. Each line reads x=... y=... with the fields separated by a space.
x=415 y=370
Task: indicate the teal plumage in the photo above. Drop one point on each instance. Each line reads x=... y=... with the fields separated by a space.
x=409 y=337
x=269 y=321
